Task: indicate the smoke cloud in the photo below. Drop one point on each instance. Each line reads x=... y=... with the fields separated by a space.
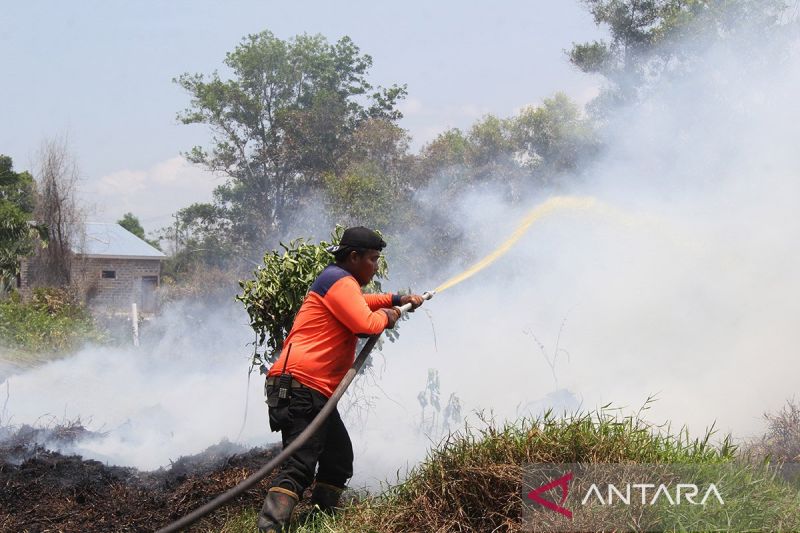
x=182 y=391
x=683 y=288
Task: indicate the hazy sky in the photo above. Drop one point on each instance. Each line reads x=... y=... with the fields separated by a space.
x=101 y=71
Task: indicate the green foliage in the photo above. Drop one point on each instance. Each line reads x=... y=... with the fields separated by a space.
x=554 y=137
x=17 y=232
x=362 y=196
x=484 y=469
x=274 y=296
x=52 y=322
x=490 y=143
x=376 y=186
x=131 y=223
x=650 y=37
x=532 y=147
x=16 y=187
x=447 y=151
x=200 y=240
x=286 y=118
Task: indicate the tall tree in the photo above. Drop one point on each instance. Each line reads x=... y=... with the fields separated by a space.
x=284 y=119
x=649 y=37
x=376 y=185
x=130 y=222
x=57 y=210
x=200 y=238
x=447 y=153
x=553 y=138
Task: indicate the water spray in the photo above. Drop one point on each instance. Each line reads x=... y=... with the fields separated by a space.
x=548 y=207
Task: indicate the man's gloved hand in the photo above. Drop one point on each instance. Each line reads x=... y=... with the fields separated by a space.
x=393 y=314
x=414 y=299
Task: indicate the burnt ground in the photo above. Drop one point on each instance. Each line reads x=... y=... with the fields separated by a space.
x=46 y=491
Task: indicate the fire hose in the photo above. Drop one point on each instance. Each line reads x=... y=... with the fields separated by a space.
x=327 y=409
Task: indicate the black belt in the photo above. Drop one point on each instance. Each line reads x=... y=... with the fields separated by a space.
x=295 y=384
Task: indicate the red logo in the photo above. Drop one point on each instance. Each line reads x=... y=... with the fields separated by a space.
x=562 y=482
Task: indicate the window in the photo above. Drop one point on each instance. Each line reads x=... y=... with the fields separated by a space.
x=109 y=274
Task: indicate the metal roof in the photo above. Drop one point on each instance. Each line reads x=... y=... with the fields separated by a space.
x=112 y=240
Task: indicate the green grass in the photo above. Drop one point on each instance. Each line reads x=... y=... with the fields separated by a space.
x=472 y=480
x=50 y=323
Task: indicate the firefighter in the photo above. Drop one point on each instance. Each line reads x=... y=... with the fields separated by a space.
x=315 y=357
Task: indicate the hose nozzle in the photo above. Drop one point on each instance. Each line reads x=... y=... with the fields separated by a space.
x=427 y=295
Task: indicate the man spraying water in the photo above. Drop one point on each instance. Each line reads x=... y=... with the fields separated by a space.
x=314 y=361
x=315 y=357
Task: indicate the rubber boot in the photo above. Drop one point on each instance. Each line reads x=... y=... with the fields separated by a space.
x=326 y=497
x=277 y=510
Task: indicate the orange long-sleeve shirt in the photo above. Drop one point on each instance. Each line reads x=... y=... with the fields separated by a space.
x=321 y=345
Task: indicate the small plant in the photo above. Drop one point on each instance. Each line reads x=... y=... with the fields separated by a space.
x=436 y=421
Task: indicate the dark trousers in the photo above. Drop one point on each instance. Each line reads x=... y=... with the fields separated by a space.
x=329 y=446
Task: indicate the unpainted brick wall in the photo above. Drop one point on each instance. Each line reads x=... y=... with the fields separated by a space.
x=117 y=293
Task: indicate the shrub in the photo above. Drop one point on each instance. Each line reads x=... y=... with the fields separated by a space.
x=52 y=321
x=274 y=296
x=781 y=442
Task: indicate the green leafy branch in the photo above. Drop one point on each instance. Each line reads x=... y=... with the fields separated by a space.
x=274 y=296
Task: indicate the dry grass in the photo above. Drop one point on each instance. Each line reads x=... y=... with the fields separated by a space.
x=473 y=480
x=781 y=442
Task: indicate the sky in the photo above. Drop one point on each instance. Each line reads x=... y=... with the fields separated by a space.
x=100 y=73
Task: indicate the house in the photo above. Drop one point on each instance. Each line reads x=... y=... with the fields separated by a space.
x=113 y=268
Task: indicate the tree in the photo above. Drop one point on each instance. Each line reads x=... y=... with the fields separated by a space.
x=650 y=37
x=489 y=145
x=382 y=143
x=131 y=223
x=445 y=155
x=57 y=210
x=17 y=230
x=553 y=138
x=459 y=161
x=200 y=238
x=284 y=120
x=361 y=197
x=376 y=186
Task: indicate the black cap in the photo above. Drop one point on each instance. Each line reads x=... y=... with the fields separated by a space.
x=359 y=237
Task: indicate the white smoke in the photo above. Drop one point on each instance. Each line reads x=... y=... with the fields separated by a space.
x=176 y=395
x=690 y=294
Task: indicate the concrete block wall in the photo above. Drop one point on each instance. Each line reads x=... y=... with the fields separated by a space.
x=119 y=292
